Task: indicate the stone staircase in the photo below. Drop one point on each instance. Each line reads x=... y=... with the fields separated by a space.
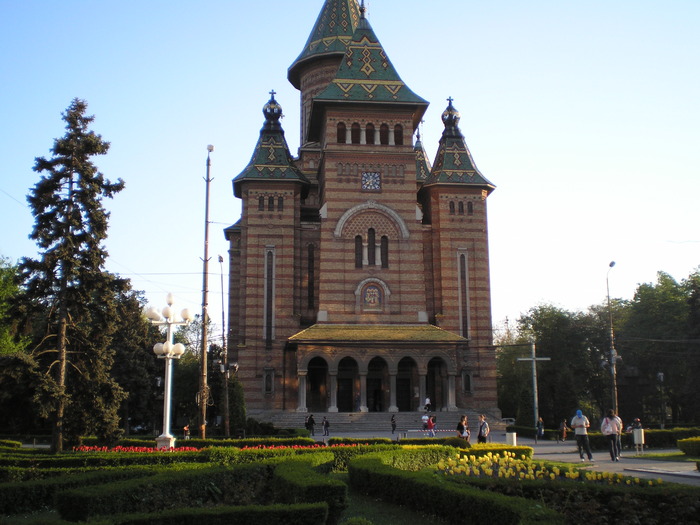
x=370 y=422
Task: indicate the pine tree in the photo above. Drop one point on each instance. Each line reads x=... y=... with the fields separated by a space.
x=70 y=291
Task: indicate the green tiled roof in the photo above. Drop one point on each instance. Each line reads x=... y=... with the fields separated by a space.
x=453 y=161
x=330 y=35
x=379 y=333
x=367 y=75
x=271 y=159
x=422 y=163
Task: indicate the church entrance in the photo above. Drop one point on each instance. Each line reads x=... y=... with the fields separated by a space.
x=317 y=385
x=348 y=385
x=377 y=385
x=407 y=394
x=437 y=384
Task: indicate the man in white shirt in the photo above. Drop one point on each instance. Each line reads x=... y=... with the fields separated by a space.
x=580 y=425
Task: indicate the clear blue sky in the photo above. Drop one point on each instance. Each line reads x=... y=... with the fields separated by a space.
x=586 y=116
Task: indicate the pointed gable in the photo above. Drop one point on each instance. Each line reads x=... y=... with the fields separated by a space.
x=271 y=159
x=330 y=35
x=422 y=162
x=453 y=161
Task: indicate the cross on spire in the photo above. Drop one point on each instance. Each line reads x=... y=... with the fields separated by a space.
x=450 y=99
x=273 y=93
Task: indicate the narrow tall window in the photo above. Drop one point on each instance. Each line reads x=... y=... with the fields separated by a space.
x=385 y=251
x=270 y=204
x=311 y=278
x=261 y=204
x=452 y=208
x=384 y=134
x=398 y=135
x=460 y=208
x=358 y=251
x=464 y=295
x=355 y=132
x=470 y=208
x=342 y=133
x=280 y=203
x=269 y=298
x=371 y=248
x=369 y=134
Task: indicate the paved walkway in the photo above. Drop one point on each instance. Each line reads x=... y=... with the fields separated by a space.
x=640 y=466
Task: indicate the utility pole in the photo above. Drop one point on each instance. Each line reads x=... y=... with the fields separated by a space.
x=224 y=354
x=534 y=359
x=203 y=386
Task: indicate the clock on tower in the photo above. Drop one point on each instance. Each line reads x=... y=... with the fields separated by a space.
x=371 y=181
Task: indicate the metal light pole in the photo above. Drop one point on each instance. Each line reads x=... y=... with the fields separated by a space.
x=168 y=351
x=203 y=386
x=224 y=356
x=613 y=353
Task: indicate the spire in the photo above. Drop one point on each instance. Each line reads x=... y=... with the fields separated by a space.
x=271 y=160
x=366 y=75
x=422 y=162
x=453 y=161
x=330 y=35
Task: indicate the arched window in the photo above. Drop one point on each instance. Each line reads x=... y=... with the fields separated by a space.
x=342 y=133
x=369 y=133
x=470 y=208
x=398 y=135
x=371 y=248
x=261 y=204
x=460 y=208
x=452 y=208
x=358 y=251
x=384 y=251
x=270 y=204
x=280 y=203
x=384 y=134
x=355 y=133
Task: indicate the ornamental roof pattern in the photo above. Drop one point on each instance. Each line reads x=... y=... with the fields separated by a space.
x=271 y=159
x=330 y=35
x=367 y=75
x=378 y=333
x=453 y=162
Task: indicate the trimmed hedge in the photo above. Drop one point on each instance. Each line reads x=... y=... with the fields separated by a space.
x=296 y=482
x=654 y=438
x=6 y=443
x=30 y=496
x=288 y=441
x=690 y=447
x=297 y=514
x=99 y=459
x=590 y=502
x=244 y=485
x=425 y=492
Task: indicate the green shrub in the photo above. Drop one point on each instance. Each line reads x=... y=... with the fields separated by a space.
x=357 y=521
x=298 y=514
x=690 y=447
x=6 y=443
x=427 y=493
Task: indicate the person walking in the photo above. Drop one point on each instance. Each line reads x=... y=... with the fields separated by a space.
x=621 y=429
x=312 y=425
x=539 y=429
x=610 y=429
x=580 y=425
x=325 y=425
x=428 y=405
x=431 y=426
x=563 y=429
x=463 y=428
x=393 y=423
x=483 y=429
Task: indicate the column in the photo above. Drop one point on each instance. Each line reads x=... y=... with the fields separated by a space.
x=451 y=394
x=334 y=393
x=302 y=392
x=392 y=392
x=363 y=392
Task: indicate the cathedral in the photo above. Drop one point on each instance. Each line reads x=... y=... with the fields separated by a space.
x=359 y=273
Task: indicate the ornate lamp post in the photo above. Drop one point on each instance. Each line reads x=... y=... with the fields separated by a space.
x=168 y=351
x=613 y=353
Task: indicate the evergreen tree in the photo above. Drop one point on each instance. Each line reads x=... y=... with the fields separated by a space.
x=67 y=286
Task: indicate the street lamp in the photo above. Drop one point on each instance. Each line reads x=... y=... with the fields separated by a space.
x=224 y=356
x=168 y=351
x=613 y=354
